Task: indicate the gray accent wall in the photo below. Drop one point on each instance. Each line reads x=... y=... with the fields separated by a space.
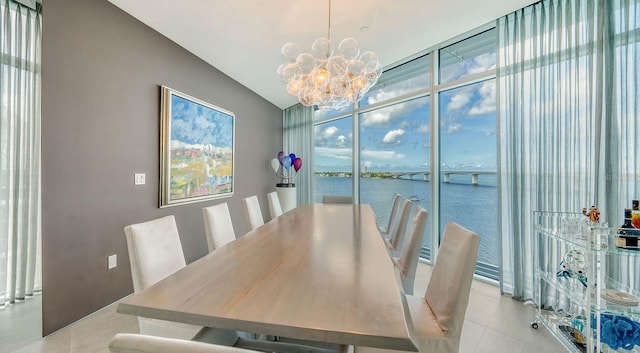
x=101 y=76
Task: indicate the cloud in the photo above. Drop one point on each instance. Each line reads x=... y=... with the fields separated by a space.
x=475 y=99
x=206 y=127
x=342 y=157
x=482 y=63
x=467 y=67
x=367 y=164
x=331 y=136
x=423 y=129
x=382 y=117
x=453 y=128
x=393 y=136
x=397 y=89
x=459 y=100
x=487 y=101
x=329 y=132
x=332 y=152
x=376 y=118
x=381 y=154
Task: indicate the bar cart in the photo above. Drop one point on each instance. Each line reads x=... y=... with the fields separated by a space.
x=586 y=288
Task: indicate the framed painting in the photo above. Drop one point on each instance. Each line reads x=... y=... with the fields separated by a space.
x=196 y=149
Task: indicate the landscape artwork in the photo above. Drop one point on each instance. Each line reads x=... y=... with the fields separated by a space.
x=197 y=149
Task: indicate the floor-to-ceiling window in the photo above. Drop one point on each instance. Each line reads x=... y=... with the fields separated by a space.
x=20 y=235
x=333 y=159
x=20 y=38
x=394 y=139
x=433 y=115
x=467 y=142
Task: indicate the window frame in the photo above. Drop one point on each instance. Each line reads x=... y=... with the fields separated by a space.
x=432 y=92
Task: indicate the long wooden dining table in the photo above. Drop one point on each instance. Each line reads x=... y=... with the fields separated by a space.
x=320 y=272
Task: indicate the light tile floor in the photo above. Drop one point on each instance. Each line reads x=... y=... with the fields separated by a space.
x=20 y=324
x=493 y=324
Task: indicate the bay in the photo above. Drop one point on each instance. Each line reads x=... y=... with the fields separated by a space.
x=474 y=207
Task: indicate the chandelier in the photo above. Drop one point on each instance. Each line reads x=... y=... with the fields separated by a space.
x=328 y=79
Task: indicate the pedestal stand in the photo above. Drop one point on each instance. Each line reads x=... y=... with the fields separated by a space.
x=287 y=195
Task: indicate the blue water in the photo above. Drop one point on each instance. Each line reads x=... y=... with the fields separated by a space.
x=472 y=206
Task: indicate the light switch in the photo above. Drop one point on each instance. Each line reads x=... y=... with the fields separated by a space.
x=112 y=261
x=139 y=179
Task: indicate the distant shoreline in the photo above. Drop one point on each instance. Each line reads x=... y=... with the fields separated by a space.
x=409 y=177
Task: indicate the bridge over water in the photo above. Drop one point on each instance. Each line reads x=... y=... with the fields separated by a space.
x=475 y=174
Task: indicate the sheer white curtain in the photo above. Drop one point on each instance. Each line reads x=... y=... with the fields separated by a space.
x=20 y=38
x=297 y=124
x=568 y=91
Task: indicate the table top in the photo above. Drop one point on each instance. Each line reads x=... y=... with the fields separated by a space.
x=320 y=272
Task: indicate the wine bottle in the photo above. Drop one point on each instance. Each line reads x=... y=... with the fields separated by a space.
x=635 y=214
x=627 y=235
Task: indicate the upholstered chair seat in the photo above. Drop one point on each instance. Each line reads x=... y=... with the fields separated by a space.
x=425 y=324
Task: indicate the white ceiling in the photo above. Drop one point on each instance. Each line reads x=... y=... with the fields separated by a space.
x=242 y=38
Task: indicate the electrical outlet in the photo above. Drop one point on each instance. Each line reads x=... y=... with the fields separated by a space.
x=139 y=179
x=112 y=261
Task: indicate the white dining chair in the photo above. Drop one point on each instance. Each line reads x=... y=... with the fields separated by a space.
x=337 y=199
x=130 y=342
x=407 y=262
x=438 y=317
x=155 y=252
x=395 y=236
x=252 y=212
x=275 y=209
x=218 y=226
x=392 y=216
x=137 y=343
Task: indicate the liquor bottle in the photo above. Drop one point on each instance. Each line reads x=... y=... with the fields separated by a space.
x=635 y=213
x=627 y=235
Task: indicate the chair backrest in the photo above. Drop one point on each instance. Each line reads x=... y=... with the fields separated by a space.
x=252 y=212
x=412 y=243
x=133 y=342
x=396 y=233
x=394 y=211
x=337 y=199
x=275 y=209
x=155 y=251
x=218 y=226
x=448 y=289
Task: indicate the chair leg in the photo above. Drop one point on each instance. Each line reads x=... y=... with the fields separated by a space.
x=407 y=285
x=218 y=336
x=280 y=347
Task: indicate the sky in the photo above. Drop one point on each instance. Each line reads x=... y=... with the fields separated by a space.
x=397 y=138
x=193 y=124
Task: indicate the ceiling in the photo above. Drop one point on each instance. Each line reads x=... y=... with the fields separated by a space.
x=242 y=38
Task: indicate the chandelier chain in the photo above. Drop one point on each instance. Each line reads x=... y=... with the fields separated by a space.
x=329 y=27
